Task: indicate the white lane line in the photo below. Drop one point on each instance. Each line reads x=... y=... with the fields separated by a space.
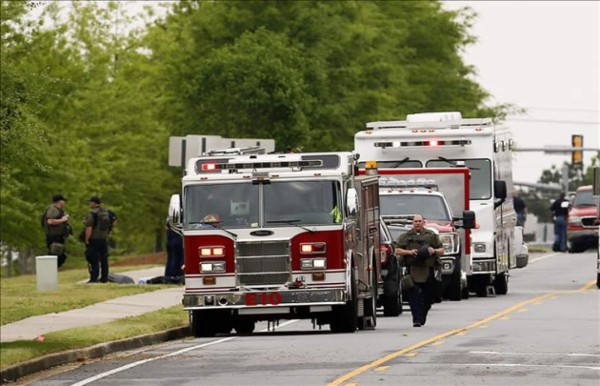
x=544 y=257
x=535 y=354
x=527 y=365
x=182 y=351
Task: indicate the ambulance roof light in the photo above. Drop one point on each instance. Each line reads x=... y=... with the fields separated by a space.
x=434 y=117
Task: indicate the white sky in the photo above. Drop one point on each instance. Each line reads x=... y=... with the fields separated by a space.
x=542 y=56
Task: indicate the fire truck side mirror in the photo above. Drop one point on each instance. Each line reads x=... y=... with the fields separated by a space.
x=175 y=212
x=467 y=221
x=351 y=202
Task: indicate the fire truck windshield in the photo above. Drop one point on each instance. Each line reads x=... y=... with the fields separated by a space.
x=431 y=207
x=284 y=202
x=306 y=202
x=481 y=175
x=235 y=203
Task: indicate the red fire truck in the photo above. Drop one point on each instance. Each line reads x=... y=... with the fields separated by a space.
x=279 y=236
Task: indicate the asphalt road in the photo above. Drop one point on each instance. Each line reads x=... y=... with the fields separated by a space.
x=546 y=331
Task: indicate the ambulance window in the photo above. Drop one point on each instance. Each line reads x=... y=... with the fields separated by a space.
x=302 y=202
x=430 y=207
x=481 y=175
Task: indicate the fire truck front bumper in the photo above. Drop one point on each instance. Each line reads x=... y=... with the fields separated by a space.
x=265 y=299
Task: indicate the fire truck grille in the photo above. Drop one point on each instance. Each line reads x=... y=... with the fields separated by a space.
x=588 y=221
x=263 y=263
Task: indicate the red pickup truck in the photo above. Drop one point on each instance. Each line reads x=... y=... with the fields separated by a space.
x=582 y=228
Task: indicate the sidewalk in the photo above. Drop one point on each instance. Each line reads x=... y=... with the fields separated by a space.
x=99 y=313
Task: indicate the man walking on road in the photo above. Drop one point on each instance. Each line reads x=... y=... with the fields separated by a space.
x=97 y=228
x=419 y=249
x=560 y=210
x=57 y=228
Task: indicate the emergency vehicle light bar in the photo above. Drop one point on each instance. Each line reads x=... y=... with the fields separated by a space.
x=431 y=143
x=202 y=167
x=418 y=183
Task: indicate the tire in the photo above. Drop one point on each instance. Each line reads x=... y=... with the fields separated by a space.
x=501 y=284
x=370 y=304
x=392 y=302
x=598 y=280
x=465 y=292
x=576 y=247
x=344 y=318
x=202 y=324
x=453 y=290
x=244 y=327
x=480 y=286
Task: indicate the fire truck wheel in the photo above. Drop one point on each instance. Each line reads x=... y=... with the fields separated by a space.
x=501 y=284
x=370 y=305
x=202 y=324
x=244 y=327
x=598 y=280
x=344 y=318
x=392 y=302
x=453 y=290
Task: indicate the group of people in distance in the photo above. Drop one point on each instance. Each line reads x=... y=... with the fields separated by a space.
x=97 y=226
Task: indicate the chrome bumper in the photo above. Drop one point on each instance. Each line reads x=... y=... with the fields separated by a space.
x=264 y=299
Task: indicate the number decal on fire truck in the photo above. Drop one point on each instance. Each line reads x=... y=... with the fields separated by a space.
x=263 y=298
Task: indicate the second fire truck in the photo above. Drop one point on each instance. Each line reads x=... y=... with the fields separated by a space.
x=279 y=236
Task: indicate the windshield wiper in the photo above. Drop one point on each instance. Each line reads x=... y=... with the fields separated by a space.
x=399 y=163
x=453 y=163
x=291 y=222
x=215 y=226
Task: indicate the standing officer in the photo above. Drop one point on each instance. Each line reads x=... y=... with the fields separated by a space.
x=560 y=210
x=419 y=249
x=56 y=225
x=97 y=228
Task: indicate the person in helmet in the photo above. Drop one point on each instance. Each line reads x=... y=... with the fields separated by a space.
x=419 y=250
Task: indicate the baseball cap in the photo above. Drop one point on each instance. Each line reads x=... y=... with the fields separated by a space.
x=58 y=197
x=95 y=199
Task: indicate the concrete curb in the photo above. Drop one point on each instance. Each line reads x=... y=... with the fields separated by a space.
x=14 y=372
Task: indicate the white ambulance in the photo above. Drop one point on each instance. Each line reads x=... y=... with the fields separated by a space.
x=434 y=140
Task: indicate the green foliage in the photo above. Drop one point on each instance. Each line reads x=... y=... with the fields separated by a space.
x=87 y=110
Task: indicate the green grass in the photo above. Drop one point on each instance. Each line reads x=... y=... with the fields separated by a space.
x=21 y=351
x=538 y=249
x=19 y=297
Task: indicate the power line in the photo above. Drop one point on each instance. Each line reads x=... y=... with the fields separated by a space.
x=552 y=121
x=563 y=109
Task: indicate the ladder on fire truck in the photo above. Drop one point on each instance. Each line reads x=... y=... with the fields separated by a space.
x=237 y=151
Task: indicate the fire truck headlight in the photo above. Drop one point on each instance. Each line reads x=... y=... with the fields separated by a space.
x=479 y=247
x=212 y=267
x=312 y=248
x=319 y=263
x=212 y=251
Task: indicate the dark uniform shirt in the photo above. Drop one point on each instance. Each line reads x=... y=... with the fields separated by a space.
x=54 y=213
x=92 y=219
x=560 y=207
x=419 y=270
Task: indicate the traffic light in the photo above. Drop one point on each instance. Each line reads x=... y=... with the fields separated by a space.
x=577 y=155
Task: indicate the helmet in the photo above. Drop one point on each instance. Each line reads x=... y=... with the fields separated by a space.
x=212 y=218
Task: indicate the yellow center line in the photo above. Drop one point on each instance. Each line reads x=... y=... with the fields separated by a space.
x=389 y=357
x=411 y=354
x=438 y=343
x=382 y=368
